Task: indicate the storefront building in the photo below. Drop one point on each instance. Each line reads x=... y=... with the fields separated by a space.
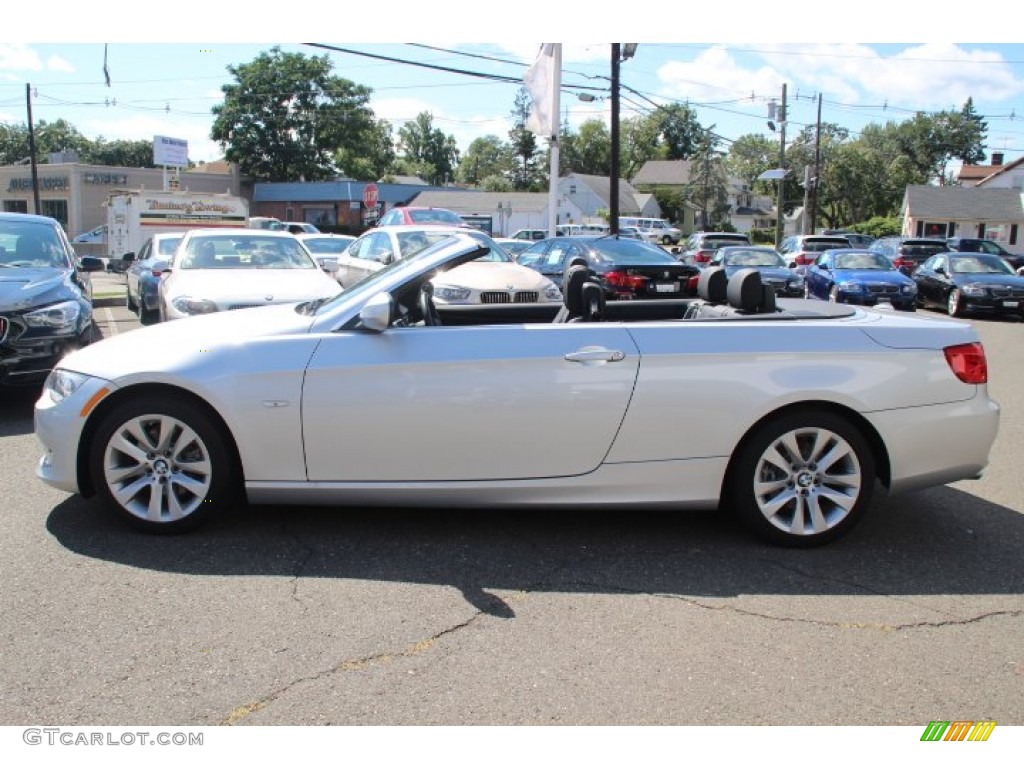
x=74 y=193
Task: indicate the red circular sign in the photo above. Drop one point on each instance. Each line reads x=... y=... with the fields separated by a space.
x=370 y=192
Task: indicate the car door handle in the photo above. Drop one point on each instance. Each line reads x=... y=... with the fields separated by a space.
x=595 y=355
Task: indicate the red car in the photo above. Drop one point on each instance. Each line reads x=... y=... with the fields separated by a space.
x=413 y=214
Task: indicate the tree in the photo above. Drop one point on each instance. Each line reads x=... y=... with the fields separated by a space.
x=751 y=155
x=640 y=141
x=371 y=157
x=708 y=184
x=528 y=175
x=131 y=153
x=428 y=150
x=681 y=133
x=286 y=117
x=486 y=157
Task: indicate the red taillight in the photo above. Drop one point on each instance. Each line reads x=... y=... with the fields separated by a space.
x=156 y=272
x=803 y=259
x=968 y=362
x=625 y=281
x=702 y=257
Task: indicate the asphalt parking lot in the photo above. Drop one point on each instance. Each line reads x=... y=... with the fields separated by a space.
x=301 y=616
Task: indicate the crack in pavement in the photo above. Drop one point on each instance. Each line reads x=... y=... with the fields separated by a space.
x=814 y=622
x=350 y=665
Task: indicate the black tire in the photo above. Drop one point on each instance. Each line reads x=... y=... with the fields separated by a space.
x=778 y=490
x=186 y=461
x=954 y=304
x=132 y=306
x=148 y=316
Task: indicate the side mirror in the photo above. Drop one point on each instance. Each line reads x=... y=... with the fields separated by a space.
x=387 y=257
x=130 y=256
x=329 y=264
x=940 y=270
x=376 y=312
x=792 y=265
x=90 y=264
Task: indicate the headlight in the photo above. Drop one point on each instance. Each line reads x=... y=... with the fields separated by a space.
x=451 y=293
x=851 y=286
x=60 y=316
x=553 y=293
x=909 y=288
x=62 y=383
x=974 y=289
x=190 y=306
x=796 y=282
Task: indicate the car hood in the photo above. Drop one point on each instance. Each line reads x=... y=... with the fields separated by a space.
x=180 y=345
x=251 y=285
x=497 y=275
x=871 y=276
x=25 y=287
x=1009 y=281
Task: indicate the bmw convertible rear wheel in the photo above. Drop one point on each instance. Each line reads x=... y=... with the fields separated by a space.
x=161 y=465
x=803 y=479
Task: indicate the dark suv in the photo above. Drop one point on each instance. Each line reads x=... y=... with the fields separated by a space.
x=908 y=253
x=980 y=245
x=45 y=297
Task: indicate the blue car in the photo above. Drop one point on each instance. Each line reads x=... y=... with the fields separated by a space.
x=857 y=276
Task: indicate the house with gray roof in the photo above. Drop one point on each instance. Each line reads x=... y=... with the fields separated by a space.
x=992 y=213
x=593 y=193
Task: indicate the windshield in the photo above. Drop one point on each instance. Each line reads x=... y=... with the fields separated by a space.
x=863 y=261
x=433 y=215
x=981 y=264
x=820 y=246
x=413 y=242
x=327 y=244
x=714 y=243
x=166 y=246
x=31 y=244
x=244 y=251
x=628 y=251
x=754 y=257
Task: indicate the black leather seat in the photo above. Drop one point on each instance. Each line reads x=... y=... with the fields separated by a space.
x=572 y=293
x=712 y=290
x=748 y=295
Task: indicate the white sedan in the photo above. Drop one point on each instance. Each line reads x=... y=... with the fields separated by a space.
x=494 y=278
x=787 y=416
x=218 y=269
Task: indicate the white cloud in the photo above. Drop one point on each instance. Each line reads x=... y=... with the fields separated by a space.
x=57 y=64
x=19 y=57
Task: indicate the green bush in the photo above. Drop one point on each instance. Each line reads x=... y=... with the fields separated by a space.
x=762 y=236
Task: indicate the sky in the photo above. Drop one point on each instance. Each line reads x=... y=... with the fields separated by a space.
x=161 y=87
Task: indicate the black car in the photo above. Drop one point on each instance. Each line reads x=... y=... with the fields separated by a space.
x=45 y=297
x=625 y=268
x=773 y=268
x=908 y=253
x=970 y=282
x=981 y=245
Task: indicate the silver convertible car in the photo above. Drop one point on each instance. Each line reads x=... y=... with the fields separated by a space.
x=788 y=415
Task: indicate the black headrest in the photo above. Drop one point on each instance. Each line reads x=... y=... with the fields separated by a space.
x=572 y=288
x=712 y=285
x=592 y=295
x=745 y=290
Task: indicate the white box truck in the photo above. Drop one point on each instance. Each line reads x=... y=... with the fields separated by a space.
x=135 y=215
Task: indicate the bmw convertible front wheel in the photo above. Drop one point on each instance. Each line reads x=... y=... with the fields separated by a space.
x=803 y=479
x=162 y=465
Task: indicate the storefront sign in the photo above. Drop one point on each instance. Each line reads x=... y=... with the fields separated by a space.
x=105 y=178
x=46 y=184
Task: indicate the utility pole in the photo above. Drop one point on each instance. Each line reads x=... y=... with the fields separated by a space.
x=32 y=149
x=780 y=213
x=613 y=178
x=817 y=169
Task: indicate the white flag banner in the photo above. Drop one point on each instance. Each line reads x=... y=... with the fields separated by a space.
x=541 y=81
